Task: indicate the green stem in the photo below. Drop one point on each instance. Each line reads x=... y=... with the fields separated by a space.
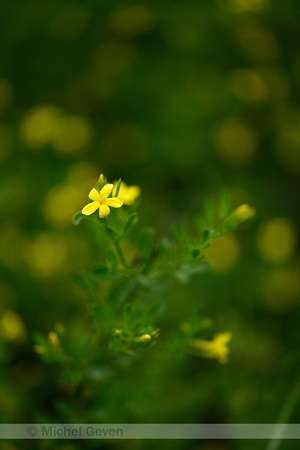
x=120 y=253
x=116 y=244
x=284 y=416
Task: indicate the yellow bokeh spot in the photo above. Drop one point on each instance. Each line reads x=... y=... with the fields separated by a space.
x=61 y=204
x=10 y=403
x=11 y=240
x=224 y=253
x=5 y=94
x=39 y=125
x=249 y=85
x=81 y=175
x=288 y=145
x=277 y=83
x=277 y=239
x=64 y=200
x=72 y=134
x=11 y=327
x=113 y=57
x=246 y=5
x=236 y=142
x=6 y=140
x=257 y=42
x=46 y=125
x=133 y=20
x=46 y=255
x=281 y=288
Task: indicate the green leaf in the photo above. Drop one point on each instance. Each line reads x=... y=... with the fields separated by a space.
x=195 y=253
x=79 y=281
x=112 y=258
x=118 y=188
x=102 y=273
x=188 y=269
x=164 y=248
x=115 y=234
x=131 y=223
x=39 y=339
x=127 y=313
x=78 y=218
x=156 y=310
x=224 y=207
x=209 y=210
x=146 y=242
x=204 y=236
x=102 y=181
x=179 y=231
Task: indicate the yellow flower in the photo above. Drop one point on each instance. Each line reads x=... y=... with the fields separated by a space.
x=128 y=193
x=243 y=212
x=101 y=202
x=217 y=348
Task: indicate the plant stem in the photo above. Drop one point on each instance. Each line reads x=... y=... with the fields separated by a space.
x=120 y=253
x=284 y=416
x=116 y=244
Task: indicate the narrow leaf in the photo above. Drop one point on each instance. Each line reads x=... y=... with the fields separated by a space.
x=102 y=273
x=131 y=223
x=78 y=218
x=146 y=242
x=118 y=188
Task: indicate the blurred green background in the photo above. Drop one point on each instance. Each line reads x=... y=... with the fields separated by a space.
x=184 y=99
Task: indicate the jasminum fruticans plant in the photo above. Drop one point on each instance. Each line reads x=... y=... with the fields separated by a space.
x=127 y=293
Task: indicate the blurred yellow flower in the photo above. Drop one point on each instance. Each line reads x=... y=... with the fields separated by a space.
x=224 y=253
x=128 y=194
x=144 y=339
x=217 y=348
x=53 y=340
x=101 y=202
x=118 y=333
x=243 y=212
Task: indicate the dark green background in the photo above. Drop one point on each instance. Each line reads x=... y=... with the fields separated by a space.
x=156 y=86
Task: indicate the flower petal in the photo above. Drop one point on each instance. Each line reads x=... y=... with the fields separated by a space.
x=114 y=202
x=94 y=195
x=90 y=208
x=103 y=211
x=106 y=190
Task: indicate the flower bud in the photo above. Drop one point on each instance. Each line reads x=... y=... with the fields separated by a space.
x=144 y=339
x=53 y=340
x=101 y=181
x=118 y=333
x=243 y=212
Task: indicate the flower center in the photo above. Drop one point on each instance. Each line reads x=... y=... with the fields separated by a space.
x=103 y=199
